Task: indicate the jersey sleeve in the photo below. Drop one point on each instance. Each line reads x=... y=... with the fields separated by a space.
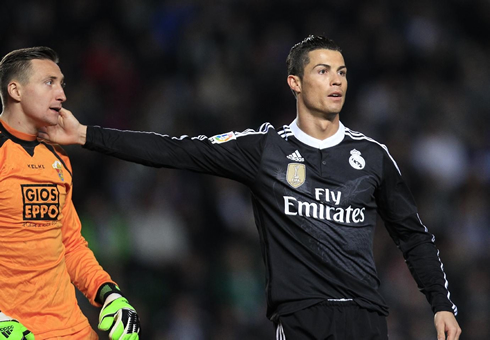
x=234 y=155
x=82 y=266
x=398 y=210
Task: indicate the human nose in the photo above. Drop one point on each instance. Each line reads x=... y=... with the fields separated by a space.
x=60 y=95
x=337 y=79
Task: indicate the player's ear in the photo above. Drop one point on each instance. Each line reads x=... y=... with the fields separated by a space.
x=14 y=90
x=294 y=83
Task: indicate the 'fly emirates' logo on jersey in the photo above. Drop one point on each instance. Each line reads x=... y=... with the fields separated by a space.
x=41 y=202
x=322 y=211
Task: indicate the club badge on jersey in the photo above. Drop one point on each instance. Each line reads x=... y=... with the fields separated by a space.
x=356 y=161
x=59 y=169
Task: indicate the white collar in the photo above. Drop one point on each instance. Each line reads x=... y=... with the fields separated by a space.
x=317 y=143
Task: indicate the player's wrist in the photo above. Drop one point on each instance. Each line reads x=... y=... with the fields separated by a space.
x=112 y=297
x=82 y=134
x=105 y=290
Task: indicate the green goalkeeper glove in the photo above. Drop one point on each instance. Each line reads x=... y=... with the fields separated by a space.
x=118 y=316
x=12 y=329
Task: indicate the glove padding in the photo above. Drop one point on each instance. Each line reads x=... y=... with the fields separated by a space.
x=119 y=316
x=11 y=329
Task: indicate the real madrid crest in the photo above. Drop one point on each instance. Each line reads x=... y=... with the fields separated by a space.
x=356 y=161
x=296 y=174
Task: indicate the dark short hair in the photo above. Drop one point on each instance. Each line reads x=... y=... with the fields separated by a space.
x=17 y=64
x=298 y=56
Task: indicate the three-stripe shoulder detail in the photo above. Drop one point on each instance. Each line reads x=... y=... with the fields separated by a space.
x=285 y=132
x=263 y=129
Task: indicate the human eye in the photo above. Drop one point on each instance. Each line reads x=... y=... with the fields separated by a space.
x=343 y=73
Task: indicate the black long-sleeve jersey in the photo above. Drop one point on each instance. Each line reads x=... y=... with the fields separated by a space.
x=315 y=205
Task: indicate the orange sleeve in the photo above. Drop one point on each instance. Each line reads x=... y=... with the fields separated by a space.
x=85 y=271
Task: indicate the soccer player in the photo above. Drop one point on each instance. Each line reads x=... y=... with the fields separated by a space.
x=316 y=189
x=43 y=254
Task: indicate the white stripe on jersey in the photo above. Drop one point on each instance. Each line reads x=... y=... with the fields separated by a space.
x=285 y=132
x=358 y=136
x=446 y=283
x=159 y=134
x=233 y=135
x=280 y=332
x=263 y=129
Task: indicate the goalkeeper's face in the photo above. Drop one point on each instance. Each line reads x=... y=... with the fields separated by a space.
x=41 y=97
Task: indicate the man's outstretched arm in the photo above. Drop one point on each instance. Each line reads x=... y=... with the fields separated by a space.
x=67 y=131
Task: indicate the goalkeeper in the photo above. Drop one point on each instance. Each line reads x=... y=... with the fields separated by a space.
x=44 y=256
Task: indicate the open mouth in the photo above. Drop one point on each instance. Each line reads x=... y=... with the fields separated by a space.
x=57 y=109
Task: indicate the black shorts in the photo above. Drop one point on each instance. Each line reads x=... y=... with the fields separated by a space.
x=333 y=320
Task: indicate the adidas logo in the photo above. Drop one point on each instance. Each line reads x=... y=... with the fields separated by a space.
x=295 y=156
x=7 y=331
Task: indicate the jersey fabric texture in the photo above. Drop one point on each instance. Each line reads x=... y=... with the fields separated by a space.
x=315 y=206
x=42 y=250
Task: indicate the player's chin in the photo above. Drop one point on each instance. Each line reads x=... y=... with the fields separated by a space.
x=335 y=109
x=51 y=119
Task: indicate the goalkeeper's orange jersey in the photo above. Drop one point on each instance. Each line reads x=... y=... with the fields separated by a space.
x=42 y=250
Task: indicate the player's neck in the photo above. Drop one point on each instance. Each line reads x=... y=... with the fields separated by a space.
x=17 y=120
x=319 y=128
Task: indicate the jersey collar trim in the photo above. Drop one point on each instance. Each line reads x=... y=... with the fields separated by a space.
x=18 y=134
x=317 y=143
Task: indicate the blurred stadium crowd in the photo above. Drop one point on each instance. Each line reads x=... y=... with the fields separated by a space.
x=183 y=246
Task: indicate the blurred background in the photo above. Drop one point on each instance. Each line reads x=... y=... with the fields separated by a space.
x=183 y=246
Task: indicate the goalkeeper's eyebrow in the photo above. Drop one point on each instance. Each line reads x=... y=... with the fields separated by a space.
x=55 y=78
